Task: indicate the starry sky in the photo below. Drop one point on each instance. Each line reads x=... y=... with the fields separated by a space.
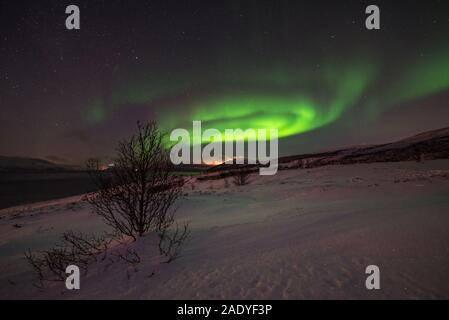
x=309 y=68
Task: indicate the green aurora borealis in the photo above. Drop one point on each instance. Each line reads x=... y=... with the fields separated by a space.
x=307 y=68
x=310 y=69
x=294 y=100
x=292 y=111
x=292 y=87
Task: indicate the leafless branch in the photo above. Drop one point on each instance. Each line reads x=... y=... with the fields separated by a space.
x=136 y=196
x=171 y=239
x=241 y=177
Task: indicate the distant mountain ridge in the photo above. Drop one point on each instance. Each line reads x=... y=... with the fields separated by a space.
x=428 y=145
x=30 y=165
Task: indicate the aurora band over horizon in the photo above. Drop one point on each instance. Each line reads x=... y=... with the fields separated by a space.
x=292 y=104
x=293 y=100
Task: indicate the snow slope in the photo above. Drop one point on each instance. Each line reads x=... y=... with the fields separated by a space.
x=301 y=234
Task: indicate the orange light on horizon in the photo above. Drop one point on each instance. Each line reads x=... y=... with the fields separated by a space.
x=213 y=163
x=219 y=162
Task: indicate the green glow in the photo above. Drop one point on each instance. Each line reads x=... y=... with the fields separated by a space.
x=96 y=112
x=420 y=77
x=428 y=75
x=291 y=112
x=291 y=98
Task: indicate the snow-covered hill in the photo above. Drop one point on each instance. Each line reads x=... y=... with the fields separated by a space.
x=299 y=234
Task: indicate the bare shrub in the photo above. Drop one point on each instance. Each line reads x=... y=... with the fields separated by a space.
x=87 y=246
x=241 y=177
x=93 y=165
x=130 y=256
x=74 y=248
x=171 y=240
x=136 y=195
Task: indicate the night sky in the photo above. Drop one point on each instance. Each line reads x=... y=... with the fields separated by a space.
x=309 y=68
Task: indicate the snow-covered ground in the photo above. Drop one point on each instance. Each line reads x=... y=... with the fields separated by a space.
x=301 y=234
